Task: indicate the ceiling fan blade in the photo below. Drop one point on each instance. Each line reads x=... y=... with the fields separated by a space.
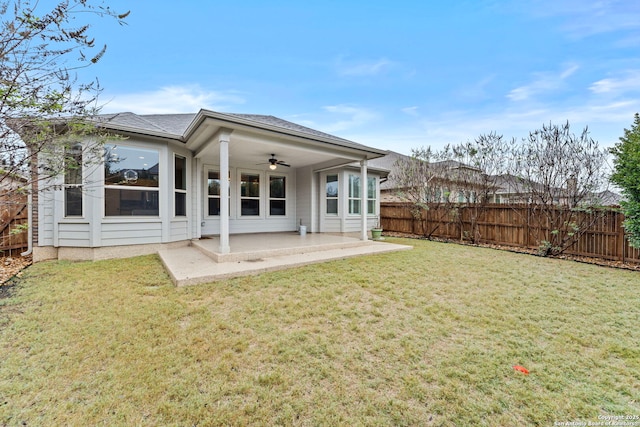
x=281 y=163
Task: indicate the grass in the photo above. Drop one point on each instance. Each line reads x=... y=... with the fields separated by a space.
x=421 y=337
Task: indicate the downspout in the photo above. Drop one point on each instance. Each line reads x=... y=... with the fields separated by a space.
x=29 y=223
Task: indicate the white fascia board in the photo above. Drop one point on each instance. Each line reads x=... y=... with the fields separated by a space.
x=138 y=131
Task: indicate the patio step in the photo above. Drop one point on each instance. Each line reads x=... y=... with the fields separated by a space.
x=256 y=255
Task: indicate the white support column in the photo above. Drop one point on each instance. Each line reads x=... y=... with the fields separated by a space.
x=223 y=139
x=197 y=202
x=364 y=235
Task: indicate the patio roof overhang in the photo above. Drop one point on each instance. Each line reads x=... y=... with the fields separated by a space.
x=252 y=142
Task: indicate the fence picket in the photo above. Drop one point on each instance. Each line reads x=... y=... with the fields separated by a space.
x=510 y=225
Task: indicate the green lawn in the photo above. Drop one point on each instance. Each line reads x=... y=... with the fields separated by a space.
x=421 y=337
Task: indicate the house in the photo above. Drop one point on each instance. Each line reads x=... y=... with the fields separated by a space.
x=441 y=181
x=167 y=179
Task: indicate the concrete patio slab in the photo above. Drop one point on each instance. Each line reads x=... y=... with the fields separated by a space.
x=256 y=254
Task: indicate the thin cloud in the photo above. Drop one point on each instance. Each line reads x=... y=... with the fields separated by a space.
x=354 y=117
x=588 y=18
x=412 y=111
x=542 y=83
x=354 y=68
x=605 y=120
x=173 y=99
x=629 y=82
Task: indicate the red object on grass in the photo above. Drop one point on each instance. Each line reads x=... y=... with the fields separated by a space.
x=521 y=369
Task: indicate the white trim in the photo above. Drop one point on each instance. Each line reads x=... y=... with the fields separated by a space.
x=287 y=194
x=364 y=200
x=223 y=139
x=175 y=190
x=260 y=198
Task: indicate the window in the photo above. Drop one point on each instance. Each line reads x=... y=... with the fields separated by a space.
x=180 y=185
x=131 y=181
x=249 y=194
x=73 y=181
x=371 y=196
x=213 y=192
x=332 y=194
x=354 y=194
x=277 y=195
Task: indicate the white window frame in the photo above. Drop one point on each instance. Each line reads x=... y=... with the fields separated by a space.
x=372 y=183
x=260 y=198
x=180 y=190
x=207 y=196
x=80 y=185
x=350 y=197
x=336 y=198
x=269 y=198
x=156 y=190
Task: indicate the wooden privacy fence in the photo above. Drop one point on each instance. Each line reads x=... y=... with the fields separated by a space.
x=511 y=225
x=13 y=214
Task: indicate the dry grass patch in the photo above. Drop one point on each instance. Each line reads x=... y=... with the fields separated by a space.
x=421 y=337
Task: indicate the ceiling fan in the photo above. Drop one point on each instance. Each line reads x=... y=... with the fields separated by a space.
x=273 y=163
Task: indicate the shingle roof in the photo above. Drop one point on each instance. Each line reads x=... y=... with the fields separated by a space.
x=177 y=124
x=275 y=121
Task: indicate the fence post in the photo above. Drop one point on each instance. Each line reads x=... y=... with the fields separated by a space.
x=621 y=237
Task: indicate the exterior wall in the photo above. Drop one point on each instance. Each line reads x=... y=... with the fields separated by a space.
x=76 y=234
x=305 y=199
x=343 y=221
x=131 y=232
x=251 y=224
x=93 y=229
x=46 y=221
x=93 y=235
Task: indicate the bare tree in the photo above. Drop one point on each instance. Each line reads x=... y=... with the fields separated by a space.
x=417 y=181
x=474 y=166
x=43 y=108
x=446 y=185
x=560 y=173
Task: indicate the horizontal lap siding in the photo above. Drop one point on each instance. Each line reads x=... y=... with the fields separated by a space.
x=179 y=230
x=76 y=234
x=262 y=225
x=131 y=233
x=332 y=225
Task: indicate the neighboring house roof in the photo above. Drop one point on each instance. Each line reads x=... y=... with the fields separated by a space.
x=387 y=162
x=608 y=198
x=390 y=162
x=511 y=184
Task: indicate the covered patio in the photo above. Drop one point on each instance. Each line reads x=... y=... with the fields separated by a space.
x=203 y=262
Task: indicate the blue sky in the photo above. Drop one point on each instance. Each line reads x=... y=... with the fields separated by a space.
x=393 y=75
